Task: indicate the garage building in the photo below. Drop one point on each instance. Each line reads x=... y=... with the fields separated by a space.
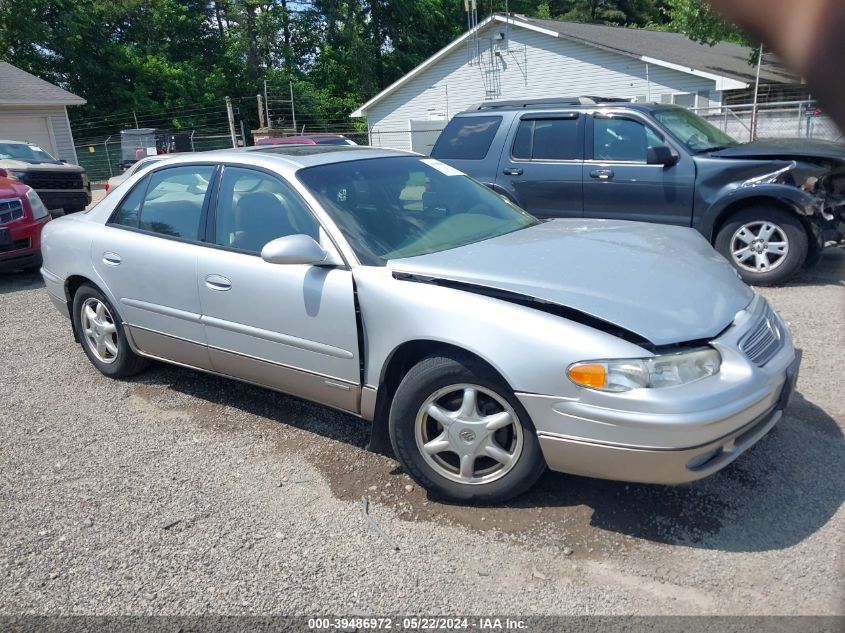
x=35 y=111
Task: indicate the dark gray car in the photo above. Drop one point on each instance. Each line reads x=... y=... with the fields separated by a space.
x=769 y=206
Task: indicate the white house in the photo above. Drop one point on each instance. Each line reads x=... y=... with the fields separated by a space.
x=35 y=111
x=514 y=57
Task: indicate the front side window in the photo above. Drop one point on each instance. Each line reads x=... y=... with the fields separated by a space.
x=622 y=140
x=467 y=138
x=168 y=202
x=254 y=208
x=547 y=139
x=404 y=206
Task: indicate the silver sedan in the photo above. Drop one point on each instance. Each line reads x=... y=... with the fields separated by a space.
x=483 y=344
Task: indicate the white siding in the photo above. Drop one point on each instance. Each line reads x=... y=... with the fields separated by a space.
x=536 y=65
x=58 y=124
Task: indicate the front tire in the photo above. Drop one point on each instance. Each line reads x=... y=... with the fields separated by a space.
x=101 y=334
x=460 y=432
x=766 y=245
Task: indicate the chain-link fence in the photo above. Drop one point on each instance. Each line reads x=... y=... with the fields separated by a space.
x=784 y=119
x=199 y=128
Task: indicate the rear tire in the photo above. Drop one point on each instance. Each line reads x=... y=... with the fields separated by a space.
x=766 y=245
x=102 y=336
x=481 y=446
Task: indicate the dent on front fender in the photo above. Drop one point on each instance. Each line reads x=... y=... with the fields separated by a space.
x=813 y=189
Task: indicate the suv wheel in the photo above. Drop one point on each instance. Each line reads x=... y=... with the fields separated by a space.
x=766 y=245
x=462 y=434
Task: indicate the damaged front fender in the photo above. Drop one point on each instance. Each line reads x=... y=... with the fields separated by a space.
x=815 y=191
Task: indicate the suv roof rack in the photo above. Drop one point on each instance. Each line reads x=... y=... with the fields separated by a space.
x=546 y=102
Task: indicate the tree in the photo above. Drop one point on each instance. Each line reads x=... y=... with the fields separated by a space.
x=698 y=22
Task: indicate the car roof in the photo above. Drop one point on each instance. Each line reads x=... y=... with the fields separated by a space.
x=310 y=155
x=289 y=156
x=3 y=140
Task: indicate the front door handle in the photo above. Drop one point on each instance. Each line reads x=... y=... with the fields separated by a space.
x=112 y=259
x=217 y=282
x=512 y=171
x=602 y=174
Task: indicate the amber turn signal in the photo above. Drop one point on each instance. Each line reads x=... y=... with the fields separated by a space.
x=588 y=375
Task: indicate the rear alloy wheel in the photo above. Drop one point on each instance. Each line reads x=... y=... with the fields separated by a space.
x=462 y=434
x=767 y=246
x=101 y=333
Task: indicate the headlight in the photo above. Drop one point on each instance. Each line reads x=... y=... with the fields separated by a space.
x=625 y=374
x=9 y=173
x=38 y=209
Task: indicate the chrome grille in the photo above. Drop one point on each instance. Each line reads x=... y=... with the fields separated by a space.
x=763 y=341
x=11 y=209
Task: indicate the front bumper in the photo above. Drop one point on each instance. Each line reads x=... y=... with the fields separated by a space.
x=674 y=435
x=24 y=251
x=69 y=200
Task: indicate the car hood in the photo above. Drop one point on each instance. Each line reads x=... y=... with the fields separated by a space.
x=48 y=165
x=664 y=283
x=784 y=148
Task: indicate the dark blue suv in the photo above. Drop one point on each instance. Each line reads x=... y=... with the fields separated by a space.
x=769 y=206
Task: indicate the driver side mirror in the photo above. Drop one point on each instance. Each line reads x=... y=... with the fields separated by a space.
x=296 y=249
x=661 y=155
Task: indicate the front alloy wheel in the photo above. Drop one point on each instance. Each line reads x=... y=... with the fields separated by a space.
x=468 y=434
x=766 y=245
x=759 y=246
x=460 y=432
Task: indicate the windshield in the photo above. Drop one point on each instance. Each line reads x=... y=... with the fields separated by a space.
x=396 y=207
x=693 y=131
x=25 y=152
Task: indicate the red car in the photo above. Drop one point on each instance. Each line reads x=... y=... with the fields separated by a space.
x=314 y=139
x=22 y=216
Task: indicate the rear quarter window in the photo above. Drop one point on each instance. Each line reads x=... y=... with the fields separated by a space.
x=467 y=138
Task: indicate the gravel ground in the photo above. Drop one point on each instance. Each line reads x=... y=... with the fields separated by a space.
x=176 y=492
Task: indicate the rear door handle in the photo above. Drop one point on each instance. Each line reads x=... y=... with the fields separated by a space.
x=602 y=174
x=512 y=171
x=217 y=282
x=112 y=259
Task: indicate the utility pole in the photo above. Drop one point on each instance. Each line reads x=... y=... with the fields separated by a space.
x=292 y=109
x=267 y=106
x=756 y=92
x=262 y=122
x=231 y=117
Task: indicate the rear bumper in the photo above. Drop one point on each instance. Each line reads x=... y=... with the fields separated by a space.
x=668 y=465
x=55 y=286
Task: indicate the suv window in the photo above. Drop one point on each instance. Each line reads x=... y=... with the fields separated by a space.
x=467 y=138
x=622 y=139
x=254 y=208
x=547 y=139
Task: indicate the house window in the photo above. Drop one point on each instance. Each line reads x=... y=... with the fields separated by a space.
x=684 y=99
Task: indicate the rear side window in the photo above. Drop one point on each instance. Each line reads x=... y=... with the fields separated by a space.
x=547 y=139
x=168 y=202
x=467 y=138
x=174 y=200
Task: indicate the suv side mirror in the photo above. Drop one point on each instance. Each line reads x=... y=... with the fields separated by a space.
x=296 y=249
x=661 y=155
